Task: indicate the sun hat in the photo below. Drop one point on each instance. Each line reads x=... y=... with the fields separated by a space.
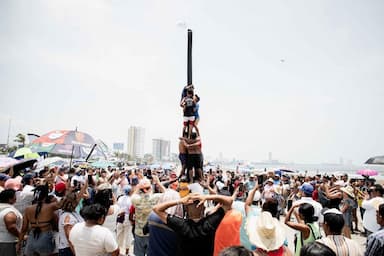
x=13 y=183
x=270 y=180
x=349 y=190
x=265 y=232
x=306 y=188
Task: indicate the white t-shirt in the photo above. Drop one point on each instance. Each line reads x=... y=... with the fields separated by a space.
x=72 y=219
x=79 y=178
x=110 y=220
x=196 y=188
x=369 y=218
x=92 y=241
x=316 y=206
x=124 y=202
x=24 y=198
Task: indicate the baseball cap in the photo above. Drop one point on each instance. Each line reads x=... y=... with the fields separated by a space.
x=332 y=210
x=27 y=177
x=127 y=189
x=306 y=188
x=60 y=187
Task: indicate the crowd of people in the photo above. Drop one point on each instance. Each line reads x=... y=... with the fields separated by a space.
x=92 y=211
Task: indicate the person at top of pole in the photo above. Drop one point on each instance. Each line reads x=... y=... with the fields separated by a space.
x=188 y=103
x=185 y=89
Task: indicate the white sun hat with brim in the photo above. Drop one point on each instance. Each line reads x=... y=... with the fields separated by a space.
x=349 y=190
x=265 y=232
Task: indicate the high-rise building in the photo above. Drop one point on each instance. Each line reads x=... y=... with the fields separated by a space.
x=161 y=149
x=136 y=141
x=118 y=146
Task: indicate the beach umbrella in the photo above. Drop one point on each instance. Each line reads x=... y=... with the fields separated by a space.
x=375 y=160
x=6 y=162
x=367 y=172
x=51 y=162
x=19 y=166
x=67 y=143
x=24 y=153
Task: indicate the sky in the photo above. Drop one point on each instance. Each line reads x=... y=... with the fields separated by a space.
x=301 y=79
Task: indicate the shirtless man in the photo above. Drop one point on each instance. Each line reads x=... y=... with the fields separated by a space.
x=195 y=158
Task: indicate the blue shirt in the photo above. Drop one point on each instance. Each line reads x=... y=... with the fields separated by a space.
x=163 y=240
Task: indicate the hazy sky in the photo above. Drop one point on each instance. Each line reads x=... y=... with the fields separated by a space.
x=106 y=65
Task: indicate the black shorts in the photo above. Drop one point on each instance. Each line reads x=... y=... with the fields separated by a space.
x=183 y=158
x=194 y=161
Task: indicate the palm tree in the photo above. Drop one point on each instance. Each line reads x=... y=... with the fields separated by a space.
x=20 y=138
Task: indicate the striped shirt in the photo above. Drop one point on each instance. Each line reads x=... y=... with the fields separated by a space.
x=342 y=246
x=375 y=243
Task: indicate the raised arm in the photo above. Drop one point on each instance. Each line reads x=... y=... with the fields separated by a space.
x=226 y=201
x=205 y=184
x=157 y=181
x=159 y=209
x=249 y=200
x=299 y=225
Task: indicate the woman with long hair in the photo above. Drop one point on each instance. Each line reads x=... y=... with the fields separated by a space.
x=306 y=224
x=68 y=217
x=106 y=198
x=39 y=220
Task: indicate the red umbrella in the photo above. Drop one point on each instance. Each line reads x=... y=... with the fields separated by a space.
x=367 y=172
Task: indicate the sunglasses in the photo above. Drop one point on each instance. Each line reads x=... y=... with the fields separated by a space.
x=145 y=189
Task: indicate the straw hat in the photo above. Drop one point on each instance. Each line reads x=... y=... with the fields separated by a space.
x=265 y=232
x=349 y=190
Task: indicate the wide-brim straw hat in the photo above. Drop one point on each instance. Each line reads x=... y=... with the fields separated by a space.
x=265 y=232
x=349 y=190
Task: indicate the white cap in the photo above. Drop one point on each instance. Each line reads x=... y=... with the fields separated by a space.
x=332 y=210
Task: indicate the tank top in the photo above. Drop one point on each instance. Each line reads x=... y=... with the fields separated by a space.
x=314 y=234
x=5 y=236
x=189 y=107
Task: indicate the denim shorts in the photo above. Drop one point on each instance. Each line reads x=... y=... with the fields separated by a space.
x=44 y=244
